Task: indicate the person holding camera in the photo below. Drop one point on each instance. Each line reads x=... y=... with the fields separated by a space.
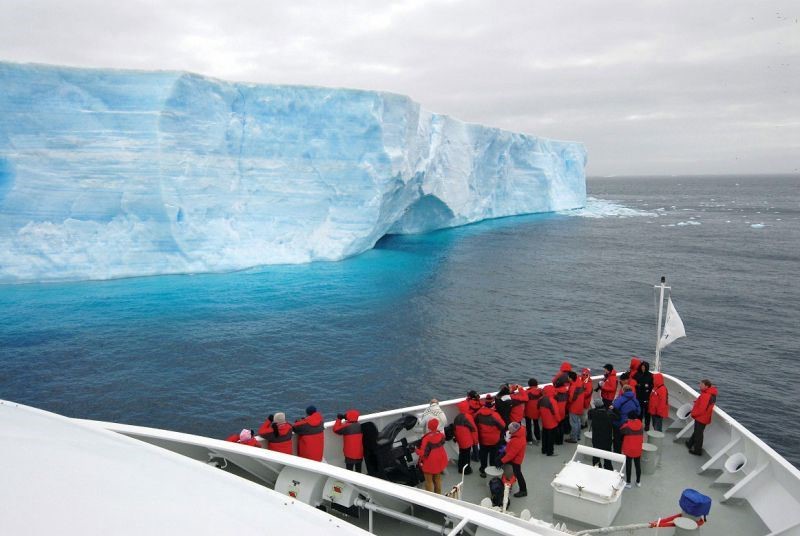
x=310 y=432
x=349 y=428
x=277 y=433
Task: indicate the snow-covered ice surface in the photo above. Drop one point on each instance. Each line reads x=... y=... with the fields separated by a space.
x=107 y=173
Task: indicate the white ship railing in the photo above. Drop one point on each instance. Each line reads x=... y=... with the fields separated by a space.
x=266 y=465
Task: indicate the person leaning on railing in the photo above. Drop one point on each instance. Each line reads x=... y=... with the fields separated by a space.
x=702 y=411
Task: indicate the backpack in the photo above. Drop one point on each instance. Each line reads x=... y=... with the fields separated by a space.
x=496 y=490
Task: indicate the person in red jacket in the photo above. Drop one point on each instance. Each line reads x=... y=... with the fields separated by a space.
x=562 y=372
x=586 y=378
x=634 y=368
x=574 y=407
x=519 y=397
x=310 y=435
x=532 y=411
x=626 y=379
x=562 y=397
x=245 y=437
x=474 y=401
x=702 y=411
x=659 y=402
x=632 y=438
x=608 y=385
x=466 y=435
x=490 y=429
x=432 y=456
x=349 y=428
x=548 y=413
x=277 y=433
x=515 y=455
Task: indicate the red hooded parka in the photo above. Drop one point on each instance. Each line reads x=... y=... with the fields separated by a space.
x=310 y=437
x=659 y=397
x=431 y=452
x=350 y=430
x=515 y=449
x=464 y=427
x=703 y=407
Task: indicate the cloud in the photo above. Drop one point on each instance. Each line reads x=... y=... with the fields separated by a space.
x=650 y=87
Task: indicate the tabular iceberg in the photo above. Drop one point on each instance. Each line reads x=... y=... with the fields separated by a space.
x=107 y=173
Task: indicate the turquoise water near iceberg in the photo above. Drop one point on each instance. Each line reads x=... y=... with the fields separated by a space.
x=436 y=315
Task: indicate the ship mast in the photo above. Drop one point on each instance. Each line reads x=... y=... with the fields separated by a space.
x=663 y=286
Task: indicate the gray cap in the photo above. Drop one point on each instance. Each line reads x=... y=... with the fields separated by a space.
x=279 y=418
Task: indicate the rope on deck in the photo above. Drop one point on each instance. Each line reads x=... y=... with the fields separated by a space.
x=619 y=528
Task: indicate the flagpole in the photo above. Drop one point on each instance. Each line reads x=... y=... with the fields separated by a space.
x=661 y=288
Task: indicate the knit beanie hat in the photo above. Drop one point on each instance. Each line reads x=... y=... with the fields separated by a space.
x=280 y=418
x=310 y=410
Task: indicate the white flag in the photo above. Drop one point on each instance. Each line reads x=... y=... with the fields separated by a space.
x=673 y=327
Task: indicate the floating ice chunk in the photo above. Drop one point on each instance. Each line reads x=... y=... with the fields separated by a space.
x=600 y=208
x=758 y=226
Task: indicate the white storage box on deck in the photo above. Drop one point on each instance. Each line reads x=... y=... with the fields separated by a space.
x=588 y=494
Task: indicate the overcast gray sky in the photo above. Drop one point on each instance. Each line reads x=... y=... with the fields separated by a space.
x=651 y=87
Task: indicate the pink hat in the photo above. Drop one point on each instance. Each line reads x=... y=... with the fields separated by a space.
x=245 y=435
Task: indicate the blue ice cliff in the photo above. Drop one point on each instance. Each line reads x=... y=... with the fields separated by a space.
x=107 y=173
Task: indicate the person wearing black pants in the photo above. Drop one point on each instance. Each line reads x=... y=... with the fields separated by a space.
x=490 y=433
x=488 y=453
x=532 y=411
x=702 y=411
x=600 y=422
x=353 y=466
x=536 y=432
x=633 y=438
x=644 y=386
x=637 y=462
x=515 y=455
x=695 y=443
x=548 y=413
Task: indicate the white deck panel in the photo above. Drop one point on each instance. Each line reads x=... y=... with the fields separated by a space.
x=64 y=477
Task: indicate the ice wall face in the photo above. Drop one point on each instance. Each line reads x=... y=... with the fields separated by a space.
x=115 y=173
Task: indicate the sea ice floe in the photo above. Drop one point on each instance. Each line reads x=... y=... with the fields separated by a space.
x=601 y=208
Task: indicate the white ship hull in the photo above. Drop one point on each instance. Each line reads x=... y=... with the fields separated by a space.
x=755 y=491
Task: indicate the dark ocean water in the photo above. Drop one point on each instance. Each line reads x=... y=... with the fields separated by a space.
x=438 y=314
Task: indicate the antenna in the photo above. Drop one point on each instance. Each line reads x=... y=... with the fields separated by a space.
x=661 y=289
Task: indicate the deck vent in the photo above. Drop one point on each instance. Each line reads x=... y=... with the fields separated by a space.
x=736 y=463
x=684 y=411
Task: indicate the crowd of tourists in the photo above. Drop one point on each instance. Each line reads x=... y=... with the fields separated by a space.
x=495 y=430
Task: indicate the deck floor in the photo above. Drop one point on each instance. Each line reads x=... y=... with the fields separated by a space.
x=658 y=496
